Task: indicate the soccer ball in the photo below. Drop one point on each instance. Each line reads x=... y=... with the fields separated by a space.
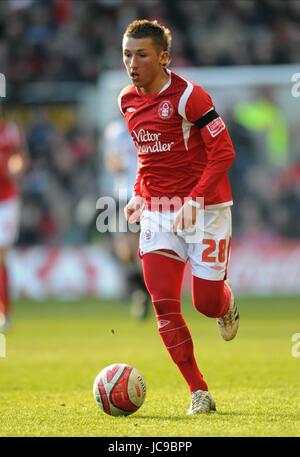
x=119 y=389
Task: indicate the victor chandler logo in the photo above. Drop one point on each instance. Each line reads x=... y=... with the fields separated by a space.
x=146 y=142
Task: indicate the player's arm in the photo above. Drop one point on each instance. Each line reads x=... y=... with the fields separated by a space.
x=220 y=153
x=219 y=149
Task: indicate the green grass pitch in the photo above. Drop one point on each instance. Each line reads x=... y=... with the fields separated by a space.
x=54 y=351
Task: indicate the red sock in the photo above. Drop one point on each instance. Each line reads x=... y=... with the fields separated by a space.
x=211 y=298
x=163 y=277
x=4 y=290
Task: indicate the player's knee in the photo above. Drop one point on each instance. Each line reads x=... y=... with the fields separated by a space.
x=158 y=285
x=160 y=293
x=208 y=307
x=208 y=297
x=166 y=305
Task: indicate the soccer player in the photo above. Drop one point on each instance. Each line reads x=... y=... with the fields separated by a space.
x=12 y=165
x=184 y=152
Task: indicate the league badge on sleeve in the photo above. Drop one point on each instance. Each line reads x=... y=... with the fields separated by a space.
x=216 y=126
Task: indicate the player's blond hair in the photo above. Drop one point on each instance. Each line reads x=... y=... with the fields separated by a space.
x=143 y=28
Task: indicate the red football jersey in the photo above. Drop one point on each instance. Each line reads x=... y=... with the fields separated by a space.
x=10 y=142
x=183 y=146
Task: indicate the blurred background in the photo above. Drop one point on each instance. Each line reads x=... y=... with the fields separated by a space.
x=63 y=67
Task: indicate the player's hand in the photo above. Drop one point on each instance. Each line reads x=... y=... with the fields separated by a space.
x=133 y=210
x=186 y=218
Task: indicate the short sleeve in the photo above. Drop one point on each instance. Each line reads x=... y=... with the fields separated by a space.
x=198 y=104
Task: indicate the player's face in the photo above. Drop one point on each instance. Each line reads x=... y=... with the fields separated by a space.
x=143 y=61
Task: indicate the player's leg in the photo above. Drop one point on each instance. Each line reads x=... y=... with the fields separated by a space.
x=165 y=293
x=212 y=295
x=163 y=257
x=211 y=298
x=163 y=276
x=216 y=299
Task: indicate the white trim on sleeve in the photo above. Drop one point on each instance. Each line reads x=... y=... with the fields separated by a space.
x=186 y=125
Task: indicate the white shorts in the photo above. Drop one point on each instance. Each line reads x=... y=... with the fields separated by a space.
x=9 y=221
x=208 y=256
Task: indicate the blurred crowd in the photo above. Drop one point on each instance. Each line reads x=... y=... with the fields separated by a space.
x=265 y=178
x=60 y=187
x=74 y=40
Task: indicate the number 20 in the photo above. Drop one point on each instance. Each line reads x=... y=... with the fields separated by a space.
x=211 y=248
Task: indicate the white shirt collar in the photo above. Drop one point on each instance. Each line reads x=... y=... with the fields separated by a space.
x=168 y=83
